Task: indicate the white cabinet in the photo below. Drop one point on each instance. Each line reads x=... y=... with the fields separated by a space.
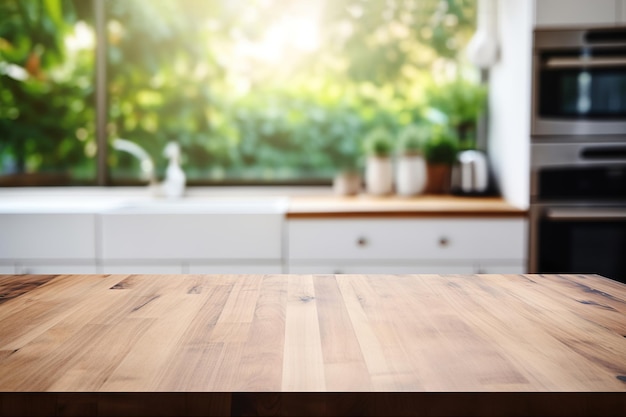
x=56 y=268
x=425 y=245
x=351 y=267
x=48 y=243
x=141 y=268
x=239 y=268
x=256 y=243
x=52 y=236
x=554 y=13
x=496 y=267
x=424 y=238
x=194 y=268
x=191 y=236
x=196 y=243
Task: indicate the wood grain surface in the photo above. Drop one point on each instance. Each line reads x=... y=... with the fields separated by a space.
x=307 y=334
x=396 y=206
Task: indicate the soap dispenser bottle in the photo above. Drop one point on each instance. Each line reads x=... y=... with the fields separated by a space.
x=174 y=183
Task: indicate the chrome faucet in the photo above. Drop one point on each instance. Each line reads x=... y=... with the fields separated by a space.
x=145 y=161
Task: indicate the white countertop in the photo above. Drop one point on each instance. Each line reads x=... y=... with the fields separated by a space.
x=140 y=199
x=282 y=200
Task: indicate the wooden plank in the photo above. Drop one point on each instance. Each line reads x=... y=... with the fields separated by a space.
x=261 y=366
x=344 y=365
x=534 y=331
x=63 y=299
x=303 y=363
x=145 y=364
x=195 y=358
x=361 y=299
x=12 y=286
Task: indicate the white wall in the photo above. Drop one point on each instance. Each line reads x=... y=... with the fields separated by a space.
x=509 y=102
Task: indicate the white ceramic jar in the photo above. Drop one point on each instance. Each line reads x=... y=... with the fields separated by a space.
x=379 y=175
x=411 y=175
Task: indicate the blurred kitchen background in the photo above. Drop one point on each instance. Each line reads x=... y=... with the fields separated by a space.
x=263 y=94
x=254 y=91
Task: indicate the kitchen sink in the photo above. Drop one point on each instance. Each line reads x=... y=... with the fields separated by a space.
x=204 y=205
x=136 y=200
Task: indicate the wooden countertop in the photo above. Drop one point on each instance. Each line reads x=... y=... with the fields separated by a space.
x=357 y=334
x=395 y=206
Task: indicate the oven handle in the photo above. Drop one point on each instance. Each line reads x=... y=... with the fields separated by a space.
x=586 y=214
x=588 y=62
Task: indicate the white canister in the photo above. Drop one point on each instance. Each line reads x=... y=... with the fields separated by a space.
x=411 y=175
x=379 y=175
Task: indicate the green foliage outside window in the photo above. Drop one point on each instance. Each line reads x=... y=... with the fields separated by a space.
x=254 y=91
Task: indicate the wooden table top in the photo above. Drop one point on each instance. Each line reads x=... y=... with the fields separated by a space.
x=397 y=206
x=312 y=333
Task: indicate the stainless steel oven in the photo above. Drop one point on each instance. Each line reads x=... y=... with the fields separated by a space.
x=578 y=208
x=579 y=83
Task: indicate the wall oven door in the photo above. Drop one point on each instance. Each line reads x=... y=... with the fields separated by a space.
x=578 y=208
x=579 y=79
x=579 y=239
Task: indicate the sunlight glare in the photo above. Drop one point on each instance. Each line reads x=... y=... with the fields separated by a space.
x=82 y=38
x=297 y=30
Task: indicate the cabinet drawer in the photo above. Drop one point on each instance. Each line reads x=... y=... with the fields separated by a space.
x=510 y=267
x=271 y=268
x=141 y=269
x=341 y=268
x=191 y=236
x=47 y=236
x=415 y=239
x=57 y=268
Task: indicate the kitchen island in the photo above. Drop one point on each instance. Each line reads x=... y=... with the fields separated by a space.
x=312 y=345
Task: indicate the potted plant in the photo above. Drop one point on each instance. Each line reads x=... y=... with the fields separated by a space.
x=347 y=179
x=347 y=182
x=440 y=151
x=378 y=168
x=463 y=102
x=411 y=169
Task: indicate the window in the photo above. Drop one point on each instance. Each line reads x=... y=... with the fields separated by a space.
x=46 y=93
x=265 y=91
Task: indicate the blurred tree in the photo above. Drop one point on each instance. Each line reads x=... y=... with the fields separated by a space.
x=46 y=121
x=259 y=90
x=387 y=41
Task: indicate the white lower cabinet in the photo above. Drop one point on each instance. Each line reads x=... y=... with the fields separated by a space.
x=48 y=243
x=47 y=236
x=510 y=267
x=242 y=268
x=190 y=236
x=196 y=243
x=185 y=268
x=146 y=268
x=423 y=245
x=56 y=268
x=380 y=269
x=150 y=243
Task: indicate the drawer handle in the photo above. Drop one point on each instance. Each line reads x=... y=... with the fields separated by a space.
x=361 y=241
x=443 y=242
